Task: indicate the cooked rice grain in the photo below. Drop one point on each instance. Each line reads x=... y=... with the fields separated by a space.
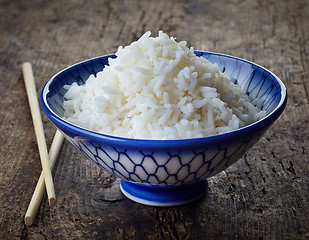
x=157 y=88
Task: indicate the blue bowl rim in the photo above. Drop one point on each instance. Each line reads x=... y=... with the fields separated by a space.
x=84 y=133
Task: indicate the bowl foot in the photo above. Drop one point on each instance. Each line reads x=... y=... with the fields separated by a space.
x=163 y=196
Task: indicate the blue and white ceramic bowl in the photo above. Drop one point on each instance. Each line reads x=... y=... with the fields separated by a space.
x=168 y=172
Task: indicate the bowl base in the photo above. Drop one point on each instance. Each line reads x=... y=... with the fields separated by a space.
x=163 y=196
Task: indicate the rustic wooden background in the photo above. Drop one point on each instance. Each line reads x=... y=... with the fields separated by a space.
x=263 y=196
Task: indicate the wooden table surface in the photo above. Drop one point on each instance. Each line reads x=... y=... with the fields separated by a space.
x=262 y=196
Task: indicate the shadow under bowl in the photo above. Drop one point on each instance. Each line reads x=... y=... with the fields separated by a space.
x=167 y=172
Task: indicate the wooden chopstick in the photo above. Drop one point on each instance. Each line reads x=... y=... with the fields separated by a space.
x=39 y=131
x=39 y=189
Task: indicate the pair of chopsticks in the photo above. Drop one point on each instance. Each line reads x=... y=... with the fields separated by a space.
x=47 y=159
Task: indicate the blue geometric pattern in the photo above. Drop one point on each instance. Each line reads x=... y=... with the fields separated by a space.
x=168 y=162
x=161 y=167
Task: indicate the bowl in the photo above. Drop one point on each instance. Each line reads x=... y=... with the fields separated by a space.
x=167 y=172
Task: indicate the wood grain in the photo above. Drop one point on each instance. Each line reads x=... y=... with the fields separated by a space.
x=263 y=196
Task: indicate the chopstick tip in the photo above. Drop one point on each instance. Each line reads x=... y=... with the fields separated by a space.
x=52 y=202
x=28 y=220
x=26 y=64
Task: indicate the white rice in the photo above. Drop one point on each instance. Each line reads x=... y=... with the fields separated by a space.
x=157 y=88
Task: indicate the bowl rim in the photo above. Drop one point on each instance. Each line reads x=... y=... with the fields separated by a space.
x=84 y=133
